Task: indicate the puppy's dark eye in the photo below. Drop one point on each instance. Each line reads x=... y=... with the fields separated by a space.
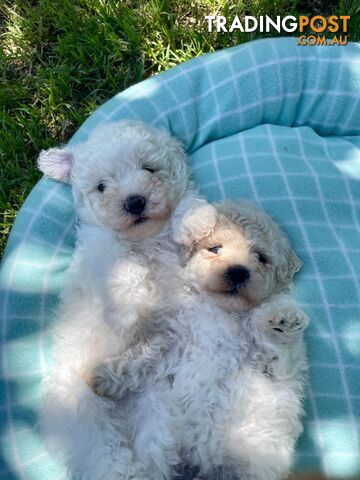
x=148 y=169
x=262 y=258
x=215 y=249
x=101 y=187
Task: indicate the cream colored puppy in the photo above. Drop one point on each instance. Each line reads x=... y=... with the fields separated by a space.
x=226 y=373
x=126 y=180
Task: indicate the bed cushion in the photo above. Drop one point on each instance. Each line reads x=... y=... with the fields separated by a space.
x=270 y=121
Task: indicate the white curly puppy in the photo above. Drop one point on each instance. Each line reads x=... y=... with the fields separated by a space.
x=237 y=363
x=126 y=180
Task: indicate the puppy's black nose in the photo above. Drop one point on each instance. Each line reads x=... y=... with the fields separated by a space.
x=135 y=204
x=237 y=275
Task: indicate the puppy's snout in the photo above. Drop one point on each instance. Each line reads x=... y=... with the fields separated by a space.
x=237 y=275
x=135 y=204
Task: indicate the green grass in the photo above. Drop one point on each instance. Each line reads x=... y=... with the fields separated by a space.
x=60 y=59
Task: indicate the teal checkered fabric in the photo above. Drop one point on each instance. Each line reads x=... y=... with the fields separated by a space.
x=269 y=121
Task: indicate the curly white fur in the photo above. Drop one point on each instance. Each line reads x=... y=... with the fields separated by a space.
x=123 y=271
x=220 y=382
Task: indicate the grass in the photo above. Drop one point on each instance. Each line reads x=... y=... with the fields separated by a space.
x=60 y=59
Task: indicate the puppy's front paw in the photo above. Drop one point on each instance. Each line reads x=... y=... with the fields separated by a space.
x=103 y=381
x=287 y=322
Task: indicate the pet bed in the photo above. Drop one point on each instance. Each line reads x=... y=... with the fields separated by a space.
x=270 y=121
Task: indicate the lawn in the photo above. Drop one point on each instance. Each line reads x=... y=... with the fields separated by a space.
x=61 y=59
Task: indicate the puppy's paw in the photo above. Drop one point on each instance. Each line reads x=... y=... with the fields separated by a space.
x=193 y=219
x=287 y=322
x=104 y=381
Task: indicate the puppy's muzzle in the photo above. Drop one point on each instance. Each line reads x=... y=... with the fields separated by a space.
x=236 y=277
x=135 y=204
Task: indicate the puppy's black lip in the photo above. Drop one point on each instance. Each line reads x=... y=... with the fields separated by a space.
x=233 y=291
x=140 y=220
x=236 y=289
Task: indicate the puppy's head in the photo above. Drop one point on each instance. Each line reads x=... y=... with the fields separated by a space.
x=235 y=253
x=127 y=176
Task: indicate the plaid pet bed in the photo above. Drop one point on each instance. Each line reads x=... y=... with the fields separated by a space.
x=269 y=121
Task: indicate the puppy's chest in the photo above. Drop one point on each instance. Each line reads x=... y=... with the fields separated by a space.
x=226 y=348
x=156 y=256
x=161 y=264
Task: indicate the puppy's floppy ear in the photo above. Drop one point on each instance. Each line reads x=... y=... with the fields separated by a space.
x=293 y=264
x=192 y=220
x=56 y=163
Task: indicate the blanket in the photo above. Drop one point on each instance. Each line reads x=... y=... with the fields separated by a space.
x=270 y=121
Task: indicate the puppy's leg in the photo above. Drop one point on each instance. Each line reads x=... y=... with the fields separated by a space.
x=281 y=319
x=192 y=220
x=155 y=430
x=287 y=323
x=127 y=372
x=281 y=324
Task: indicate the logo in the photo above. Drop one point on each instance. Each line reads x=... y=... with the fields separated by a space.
x=317 y=30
